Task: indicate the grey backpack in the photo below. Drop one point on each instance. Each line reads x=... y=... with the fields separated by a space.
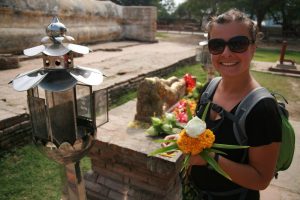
x=239 y=118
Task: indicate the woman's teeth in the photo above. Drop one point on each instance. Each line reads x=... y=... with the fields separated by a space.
x=228 y=64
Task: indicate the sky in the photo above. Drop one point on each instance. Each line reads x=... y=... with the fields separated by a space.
x=178 y=2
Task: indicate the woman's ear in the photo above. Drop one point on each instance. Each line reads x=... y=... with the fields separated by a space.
x=253 y=49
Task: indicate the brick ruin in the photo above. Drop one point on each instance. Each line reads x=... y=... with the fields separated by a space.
x=23 y=23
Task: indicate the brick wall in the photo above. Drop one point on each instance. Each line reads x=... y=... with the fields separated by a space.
x=121 y=168
x=23 y=24
x=120 y=173
x=15 y=131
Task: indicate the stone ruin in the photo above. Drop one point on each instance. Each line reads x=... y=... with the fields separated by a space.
x=156 y=95
x=89 y=21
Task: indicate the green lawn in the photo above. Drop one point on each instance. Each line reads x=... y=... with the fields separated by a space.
x=272 y=55
x=26 y=174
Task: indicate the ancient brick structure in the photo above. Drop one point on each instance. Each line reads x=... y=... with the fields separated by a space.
x=15 y=131
x=88 y=21
x=121 y=168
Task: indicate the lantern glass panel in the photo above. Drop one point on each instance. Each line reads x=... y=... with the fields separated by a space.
x=62 y=116
x=84 y=101
x=101 y=107
x=38 y=116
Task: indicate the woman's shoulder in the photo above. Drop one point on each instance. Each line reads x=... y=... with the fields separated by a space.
x=265 y=106
x=263 y=124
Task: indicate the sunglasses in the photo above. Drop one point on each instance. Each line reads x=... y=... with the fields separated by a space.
x=237 y=44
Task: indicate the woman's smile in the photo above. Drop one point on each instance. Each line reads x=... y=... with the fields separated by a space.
x=229 y=64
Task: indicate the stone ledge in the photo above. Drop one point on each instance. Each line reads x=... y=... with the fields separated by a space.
x=120 y=162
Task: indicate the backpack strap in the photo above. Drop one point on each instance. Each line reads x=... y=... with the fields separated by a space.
x=206 y=94
x=209 y=90
x=244 y=109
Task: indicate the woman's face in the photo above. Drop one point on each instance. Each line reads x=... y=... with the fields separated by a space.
x=228 y=63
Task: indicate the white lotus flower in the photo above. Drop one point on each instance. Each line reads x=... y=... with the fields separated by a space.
x=195 y=127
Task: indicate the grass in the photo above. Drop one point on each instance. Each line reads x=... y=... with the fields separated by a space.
x=196 y=70
x=281 y=84
x=273 y=55
x=27 y=174
x=161 y=35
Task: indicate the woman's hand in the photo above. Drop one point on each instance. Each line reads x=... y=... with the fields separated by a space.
x=169 y=137
x=198 y=160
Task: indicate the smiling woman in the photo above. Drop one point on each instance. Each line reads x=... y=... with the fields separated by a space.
x=232 y=44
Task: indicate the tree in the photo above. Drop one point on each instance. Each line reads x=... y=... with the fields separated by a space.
x=287 y=14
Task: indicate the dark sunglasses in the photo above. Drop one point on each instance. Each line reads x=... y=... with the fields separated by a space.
x=237 y=44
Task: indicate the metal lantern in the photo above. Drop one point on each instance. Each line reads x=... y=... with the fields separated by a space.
x=64 y=114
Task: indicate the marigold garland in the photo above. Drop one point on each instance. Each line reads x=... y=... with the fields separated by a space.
x=195 y=146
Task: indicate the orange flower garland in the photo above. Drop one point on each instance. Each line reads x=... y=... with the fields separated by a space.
x=195 y=145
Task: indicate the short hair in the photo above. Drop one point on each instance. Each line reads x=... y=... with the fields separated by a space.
x=234 y=15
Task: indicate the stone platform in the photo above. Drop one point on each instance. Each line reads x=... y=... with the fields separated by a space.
x=121 y=167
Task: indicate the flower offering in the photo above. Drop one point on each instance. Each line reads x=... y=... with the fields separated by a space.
x=196 y=139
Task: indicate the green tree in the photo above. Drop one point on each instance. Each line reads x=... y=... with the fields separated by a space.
x=286 y=13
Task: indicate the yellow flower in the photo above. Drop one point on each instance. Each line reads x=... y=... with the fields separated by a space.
x=195 y=146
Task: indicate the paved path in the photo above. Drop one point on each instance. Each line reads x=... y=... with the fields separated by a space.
x=124 y=60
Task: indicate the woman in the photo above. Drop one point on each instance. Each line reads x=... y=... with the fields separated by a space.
x=232 y=38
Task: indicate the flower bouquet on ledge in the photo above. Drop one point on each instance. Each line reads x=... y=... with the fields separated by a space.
x=177 y=116
x=196 y=139
x=172 y=122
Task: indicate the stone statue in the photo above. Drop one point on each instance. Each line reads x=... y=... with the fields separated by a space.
x=155 y=95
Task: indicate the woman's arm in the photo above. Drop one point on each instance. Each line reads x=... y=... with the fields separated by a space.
x=255 y=175
x=260 y=170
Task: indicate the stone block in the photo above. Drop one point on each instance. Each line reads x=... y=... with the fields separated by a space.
x=9 y=61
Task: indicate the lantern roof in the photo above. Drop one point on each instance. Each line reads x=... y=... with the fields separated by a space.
x=65 y=75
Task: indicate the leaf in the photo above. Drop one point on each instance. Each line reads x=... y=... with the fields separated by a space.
x=205 y=112
x=229 y=146
x=176 y=130
x=213 y=164
x=152 y=131
x=167 y=128
x=170 y=118
x=189 y=112
x=179 y=125
x=186 y=159
x=156 y=121
x=172 y=147
x=216 y=151
x=185 y=164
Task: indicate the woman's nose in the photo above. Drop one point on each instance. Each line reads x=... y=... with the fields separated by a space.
x=227 y=51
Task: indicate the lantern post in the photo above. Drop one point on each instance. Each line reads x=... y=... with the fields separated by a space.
x=65 y=111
